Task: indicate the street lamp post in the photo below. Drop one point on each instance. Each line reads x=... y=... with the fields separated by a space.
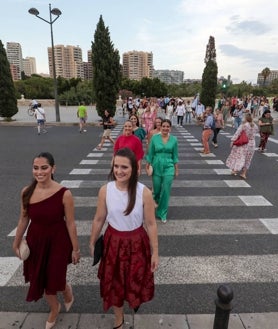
x=58 y=13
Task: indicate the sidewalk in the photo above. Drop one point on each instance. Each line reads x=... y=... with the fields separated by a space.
x=68 y=117
x=13 y=320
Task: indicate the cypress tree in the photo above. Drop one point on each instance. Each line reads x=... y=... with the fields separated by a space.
x=106 y=70
x=8 y=101
x=209 y=78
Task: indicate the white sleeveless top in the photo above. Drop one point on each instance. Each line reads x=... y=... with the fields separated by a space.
x=116 y=203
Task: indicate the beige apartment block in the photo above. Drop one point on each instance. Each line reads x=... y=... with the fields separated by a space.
x=137 y=65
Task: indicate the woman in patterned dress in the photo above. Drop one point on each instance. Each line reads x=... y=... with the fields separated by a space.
x=240 y=157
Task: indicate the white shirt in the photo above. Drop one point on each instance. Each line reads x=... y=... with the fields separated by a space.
x=40 y=113
x=180 y=110
x=116 y=203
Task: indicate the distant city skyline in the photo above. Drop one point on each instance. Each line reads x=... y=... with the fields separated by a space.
x=176 y=32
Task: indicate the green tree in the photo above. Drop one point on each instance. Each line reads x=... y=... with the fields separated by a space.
x=106 y=70
x=209 y=77
x=265 y=73
x=8 y=101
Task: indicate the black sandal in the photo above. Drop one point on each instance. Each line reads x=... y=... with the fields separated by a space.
x=119 y=326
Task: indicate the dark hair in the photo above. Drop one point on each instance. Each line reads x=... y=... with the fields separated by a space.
x=134 y=115
x=28 y=192
x=159 y=118
x=132 y=185
x=168 y=121
x=265 y=112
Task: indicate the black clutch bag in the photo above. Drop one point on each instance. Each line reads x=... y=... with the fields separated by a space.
x=98 y=250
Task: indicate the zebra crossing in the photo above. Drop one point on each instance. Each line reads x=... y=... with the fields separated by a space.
x=198 y=247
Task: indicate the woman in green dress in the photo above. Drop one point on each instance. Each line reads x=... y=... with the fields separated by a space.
x=137 y=131
x=163 y=156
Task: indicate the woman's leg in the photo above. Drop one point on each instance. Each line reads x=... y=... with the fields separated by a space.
x=162 y=209
x=157 y=183
x=54 y=305
x=119 y=317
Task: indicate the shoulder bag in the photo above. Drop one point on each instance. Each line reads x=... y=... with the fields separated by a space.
x=242 y=139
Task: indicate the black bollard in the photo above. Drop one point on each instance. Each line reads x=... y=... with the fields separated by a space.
x=223 y=307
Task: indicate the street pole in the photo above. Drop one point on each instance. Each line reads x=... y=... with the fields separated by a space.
x=58 y=13
x=57 y=111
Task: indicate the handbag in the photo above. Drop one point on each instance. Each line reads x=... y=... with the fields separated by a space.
x=242 y=139
x=24 y=250
x=98 y=251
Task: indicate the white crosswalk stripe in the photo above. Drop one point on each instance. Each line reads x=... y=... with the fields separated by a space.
x=207 y=173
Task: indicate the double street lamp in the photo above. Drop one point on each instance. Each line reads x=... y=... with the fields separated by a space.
x=58 y=13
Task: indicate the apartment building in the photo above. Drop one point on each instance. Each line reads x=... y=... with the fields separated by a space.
x=169 y=76
x=272 y=76
x=14 y=55
x=29 y=66
x=68 y=61
x=137 y=65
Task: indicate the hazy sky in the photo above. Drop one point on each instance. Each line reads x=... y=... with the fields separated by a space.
x=176 y=31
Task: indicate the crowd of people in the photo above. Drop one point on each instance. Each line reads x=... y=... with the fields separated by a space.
x=130 y=243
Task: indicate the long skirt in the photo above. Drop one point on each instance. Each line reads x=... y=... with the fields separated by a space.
x=125 y=268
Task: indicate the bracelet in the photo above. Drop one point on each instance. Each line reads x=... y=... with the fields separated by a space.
x=76 y=251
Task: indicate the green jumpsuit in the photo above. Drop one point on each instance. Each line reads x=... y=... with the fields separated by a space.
x=162 y=157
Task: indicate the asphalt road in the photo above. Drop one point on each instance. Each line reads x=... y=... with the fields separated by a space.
x=200 y=196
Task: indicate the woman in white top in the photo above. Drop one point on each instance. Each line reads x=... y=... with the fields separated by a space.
x=130 y=254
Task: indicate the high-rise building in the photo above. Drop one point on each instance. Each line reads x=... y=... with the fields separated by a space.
x=137 y=65
x=272 y=76
x=68 y=61
x=14 y=55
x=29 y=66
x=169 y=76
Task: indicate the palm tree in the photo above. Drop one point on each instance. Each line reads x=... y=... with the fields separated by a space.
x=265 y=73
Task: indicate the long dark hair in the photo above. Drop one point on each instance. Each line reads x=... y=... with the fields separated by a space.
x=28 y=192
x=132 y=184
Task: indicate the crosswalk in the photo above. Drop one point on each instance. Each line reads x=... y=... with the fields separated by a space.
x=197 y=247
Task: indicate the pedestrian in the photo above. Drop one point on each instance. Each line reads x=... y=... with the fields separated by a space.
x=180 y=111
x=41 y=118
x=156 y=129
x=219 y=124
x=127 y=139
x=199 y=112
x=240 y=157
x=188 y=112
x=163 y=157
x=207 y=129
x=148 y=118
x=137 y=130
x=266 y=129
x=130 y=255
x=82 y=115
x=238 y=115
x=47 y=212
x=107 y=123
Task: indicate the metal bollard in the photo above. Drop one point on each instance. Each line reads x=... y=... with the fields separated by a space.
x=223 y=307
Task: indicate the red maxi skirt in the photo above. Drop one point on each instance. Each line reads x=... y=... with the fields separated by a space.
x=125 y=268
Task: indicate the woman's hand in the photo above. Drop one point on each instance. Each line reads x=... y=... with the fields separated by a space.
x=154 y=262
x=75 y=256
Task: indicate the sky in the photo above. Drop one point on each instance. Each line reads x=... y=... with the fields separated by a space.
x=175 y=31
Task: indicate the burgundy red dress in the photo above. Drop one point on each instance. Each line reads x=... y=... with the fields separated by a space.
x=50 y=247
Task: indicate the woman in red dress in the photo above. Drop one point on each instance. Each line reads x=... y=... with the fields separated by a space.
x=48 y=209
x=130 y=254
x=128 y=139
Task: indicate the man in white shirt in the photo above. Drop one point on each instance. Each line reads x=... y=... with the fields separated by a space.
x=180 y=111
x=40 y=116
